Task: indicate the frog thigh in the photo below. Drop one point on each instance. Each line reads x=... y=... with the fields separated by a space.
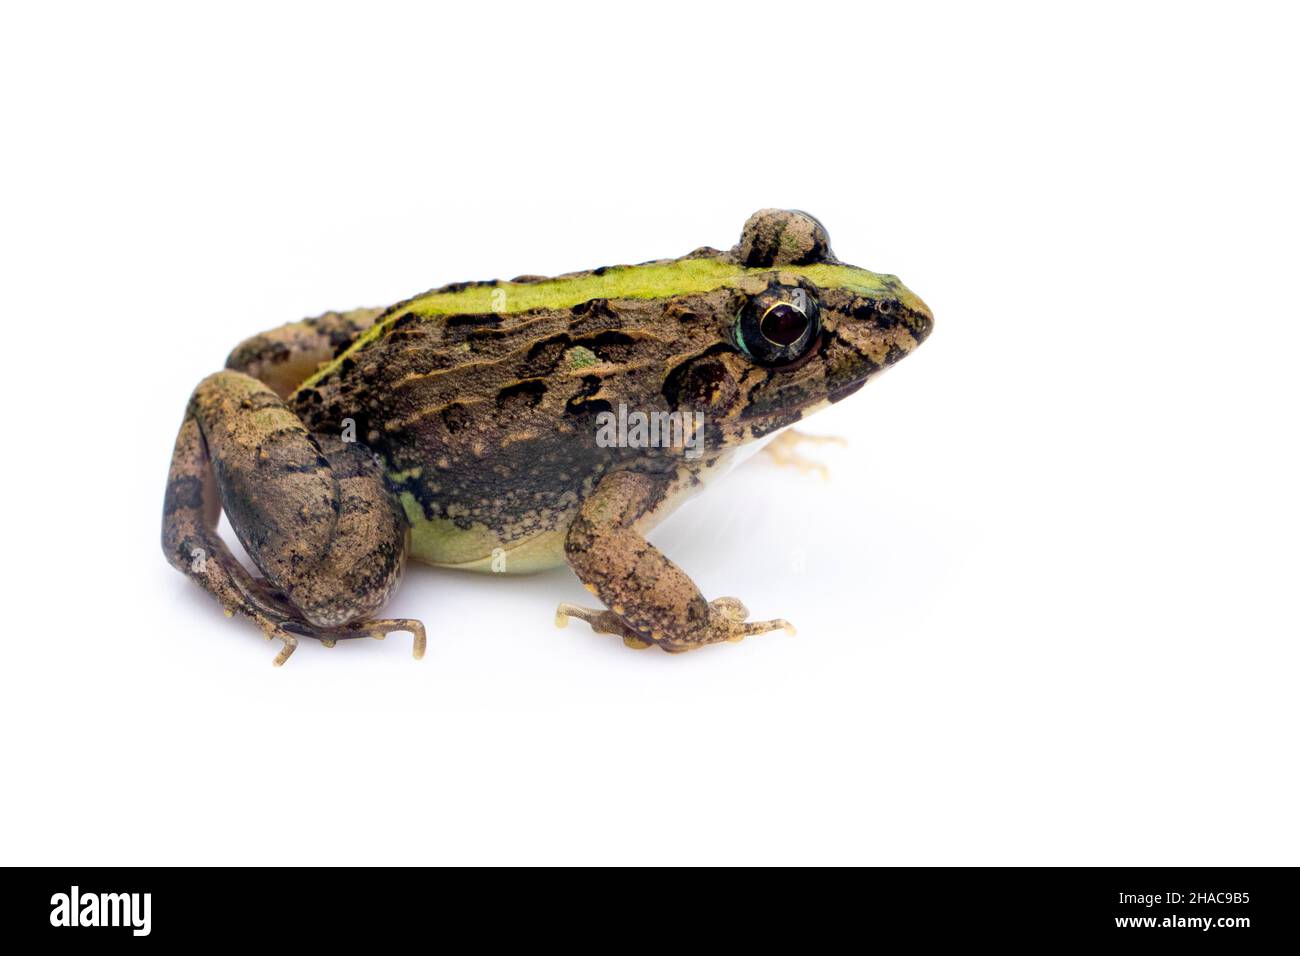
x=284 y=357
x=314 y=514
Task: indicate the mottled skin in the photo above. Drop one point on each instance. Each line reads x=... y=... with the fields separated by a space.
x=460 y=427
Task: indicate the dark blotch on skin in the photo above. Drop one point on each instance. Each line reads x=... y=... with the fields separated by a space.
x=610 y=346
x=455 y=417
x=472 y=320
x=186 y=492
x=593 y=316
x=582 y=402
x=894 y=354
x=702 y=382
x=776 y=422
x=545 y=354
x=876 y=312
x=531 y=390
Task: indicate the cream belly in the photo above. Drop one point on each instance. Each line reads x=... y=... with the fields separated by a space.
x=529 y=556
x=443 y=543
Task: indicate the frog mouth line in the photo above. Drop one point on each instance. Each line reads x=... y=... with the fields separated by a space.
x=844 y=391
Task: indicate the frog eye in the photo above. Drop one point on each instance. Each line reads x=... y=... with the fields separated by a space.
x=779 y=326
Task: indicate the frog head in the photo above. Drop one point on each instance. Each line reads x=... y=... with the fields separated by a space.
x=799 y=330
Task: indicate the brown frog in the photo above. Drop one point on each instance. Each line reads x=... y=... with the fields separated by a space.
x=513 y=426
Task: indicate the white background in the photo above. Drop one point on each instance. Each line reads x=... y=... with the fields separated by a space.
x=1046 y=603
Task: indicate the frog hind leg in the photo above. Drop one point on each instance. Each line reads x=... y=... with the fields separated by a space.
x=650 y=599
x=285 y=356
x=313 y=513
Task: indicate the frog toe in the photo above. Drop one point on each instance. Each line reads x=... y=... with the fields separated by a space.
x=377 y=629
x=286 y=650
x=602 y=622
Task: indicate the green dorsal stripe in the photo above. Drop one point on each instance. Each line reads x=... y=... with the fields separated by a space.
x=652 y=280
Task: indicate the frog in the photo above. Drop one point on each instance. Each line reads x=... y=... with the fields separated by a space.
x=484 y=426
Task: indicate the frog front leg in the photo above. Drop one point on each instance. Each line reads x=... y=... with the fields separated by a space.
x=650 y=599
x=312 y=511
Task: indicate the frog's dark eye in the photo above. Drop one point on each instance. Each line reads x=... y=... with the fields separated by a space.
x=779 y=326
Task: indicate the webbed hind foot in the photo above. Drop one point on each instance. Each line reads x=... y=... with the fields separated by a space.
x=279 y=620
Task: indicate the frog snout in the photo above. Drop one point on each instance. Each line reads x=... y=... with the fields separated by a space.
x=921 y=320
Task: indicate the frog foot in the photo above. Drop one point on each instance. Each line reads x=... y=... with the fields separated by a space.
x=781 y=450
x=274 y=627
x=280 y=620
x=602 y=622
x=330 y=636
x=726 y=623
x=381 y=629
